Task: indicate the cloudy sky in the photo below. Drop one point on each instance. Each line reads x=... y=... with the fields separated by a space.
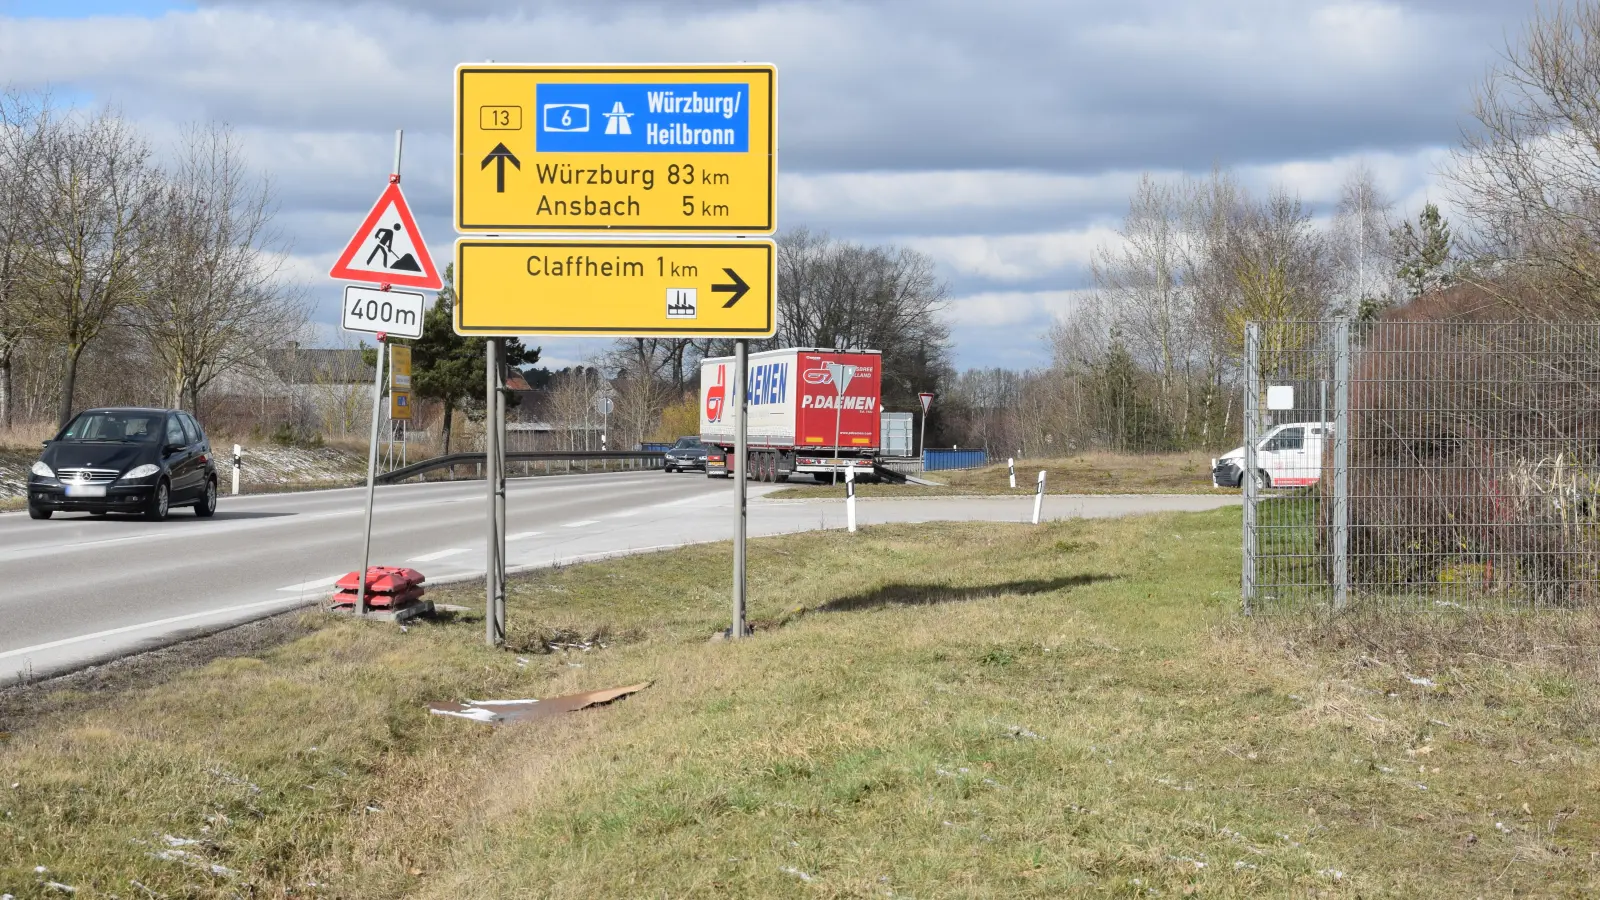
x=1002 y=138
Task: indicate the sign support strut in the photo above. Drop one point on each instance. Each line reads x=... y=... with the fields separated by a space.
x=372 y=444
x=740 y=462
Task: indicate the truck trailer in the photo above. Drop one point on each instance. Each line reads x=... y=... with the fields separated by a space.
x=799 y=422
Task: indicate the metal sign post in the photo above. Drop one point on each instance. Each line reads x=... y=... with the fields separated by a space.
x=840 y=375
x=741 y=453
x=494 y=613
x=372 y=469
x=922 y=441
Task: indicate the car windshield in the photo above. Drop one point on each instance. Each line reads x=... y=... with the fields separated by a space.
x=141 y=427
x=686 y=443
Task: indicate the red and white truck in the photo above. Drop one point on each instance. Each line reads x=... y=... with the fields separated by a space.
x=798 y=420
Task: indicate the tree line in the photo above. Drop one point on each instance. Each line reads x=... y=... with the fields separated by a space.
x=1151 y=357
x=160 y=268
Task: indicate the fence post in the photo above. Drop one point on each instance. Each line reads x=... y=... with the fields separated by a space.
x=1341 y=463
x=1247 y=478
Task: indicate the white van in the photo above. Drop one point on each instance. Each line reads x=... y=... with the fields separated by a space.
x=1287 y=456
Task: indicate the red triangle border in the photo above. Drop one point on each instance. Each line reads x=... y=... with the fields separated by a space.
x=427 y=280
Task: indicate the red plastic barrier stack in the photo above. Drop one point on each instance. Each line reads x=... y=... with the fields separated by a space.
x=388 y=587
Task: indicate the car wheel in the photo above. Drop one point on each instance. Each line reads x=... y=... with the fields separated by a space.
x=97 y=513
x=160 y=503
x=668 y=469
x=207 y=507
x=38 y=512
x=1263 y=480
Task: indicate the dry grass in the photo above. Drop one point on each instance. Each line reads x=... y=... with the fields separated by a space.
x=963 y=710
x=1088 y=473
x=26 y=436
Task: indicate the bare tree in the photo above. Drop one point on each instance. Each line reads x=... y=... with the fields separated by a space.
x=837 y=294
x=1361 y=243
x=86 y=205
x=1528 y=177
x=215 y=296
x=1140 y=284
x=22 y=121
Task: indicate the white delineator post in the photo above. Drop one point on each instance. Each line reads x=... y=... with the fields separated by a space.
x=1011 y=466
x=850 y=498
x=1038 y=498
x=238 y=459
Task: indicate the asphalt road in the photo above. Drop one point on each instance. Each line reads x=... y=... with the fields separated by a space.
x=76 y=589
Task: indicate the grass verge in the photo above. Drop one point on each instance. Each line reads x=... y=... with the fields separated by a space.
x=1088 y=473
x=963 y=710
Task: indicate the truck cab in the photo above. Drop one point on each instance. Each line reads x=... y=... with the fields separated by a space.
x=1289 y=455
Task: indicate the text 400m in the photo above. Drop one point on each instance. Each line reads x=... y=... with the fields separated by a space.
x=381 y=313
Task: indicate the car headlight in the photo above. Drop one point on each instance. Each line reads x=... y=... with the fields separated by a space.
x=42 y=470
x=144 y=471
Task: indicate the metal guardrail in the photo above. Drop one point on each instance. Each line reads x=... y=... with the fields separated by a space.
x=467 y=459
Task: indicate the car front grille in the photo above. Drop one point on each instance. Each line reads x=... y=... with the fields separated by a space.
x=88 y=476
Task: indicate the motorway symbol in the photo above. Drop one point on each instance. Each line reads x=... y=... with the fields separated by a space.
x=617 y=119
x=388 y=248
x=500 y=156
x=614 y=287
x=688 y=148
x=738 y=289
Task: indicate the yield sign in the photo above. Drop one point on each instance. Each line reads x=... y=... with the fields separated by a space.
x=388 y=248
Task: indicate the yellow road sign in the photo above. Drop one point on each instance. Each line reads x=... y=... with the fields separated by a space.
x=624 y=148
x=609 y=287
x=399 y=368
x=399 y=404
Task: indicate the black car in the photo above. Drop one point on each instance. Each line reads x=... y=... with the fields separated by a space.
x=143 y=461
x=687 y=453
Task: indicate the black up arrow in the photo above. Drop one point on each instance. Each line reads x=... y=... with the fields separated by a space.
x=738 y=289
x=500 y=156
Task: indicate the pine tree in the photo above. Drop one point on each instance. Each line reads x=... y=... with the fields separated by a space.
x=450 y=368
x=1425 y=253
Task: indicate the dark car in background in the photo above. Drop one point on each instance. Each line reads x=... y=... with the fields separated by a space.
x=125 y=460
x=687 y=453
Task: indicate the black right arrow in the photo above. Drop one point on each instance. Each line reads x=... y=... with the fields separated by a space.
x=500 y=156
x=738 y=289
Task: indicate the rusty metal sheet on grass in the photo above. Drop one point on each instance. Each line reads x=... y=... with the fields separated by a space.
x=500 y=712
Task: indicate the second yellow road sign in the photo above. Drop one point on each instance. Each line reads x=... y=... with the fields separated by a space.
x=610 y=288
x=687 y=148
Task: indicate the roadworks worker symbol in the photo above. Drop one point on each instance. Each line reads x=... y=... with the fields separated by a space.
x=388 y=249
x=617 y=120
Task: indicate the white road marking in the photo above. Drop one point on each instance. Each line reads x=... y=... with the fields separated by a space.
x=523 y=535
x=440 y=554
x=625 y=514
x=581 y=522
x=319 y=583
x=24 y=651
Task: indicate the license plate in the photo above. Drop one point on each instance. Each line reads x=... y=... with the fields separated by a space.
x=86 y=490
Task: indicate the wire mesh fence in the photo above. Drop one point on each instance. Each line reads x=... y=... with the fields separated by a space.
x=1421 y=463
